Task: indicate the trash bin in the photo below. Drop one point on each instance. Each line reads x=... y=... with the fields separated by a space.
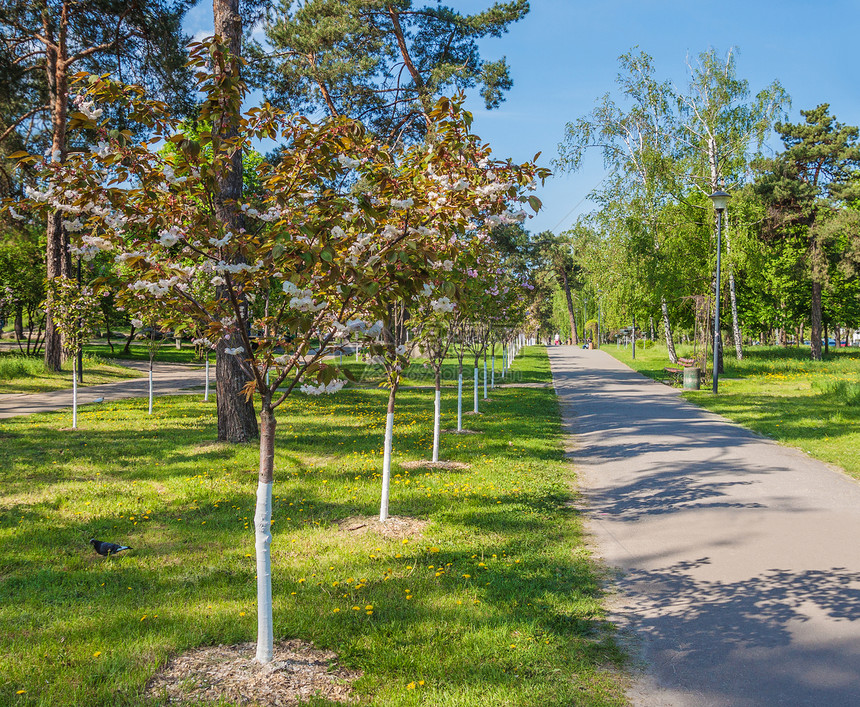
x=692 y=378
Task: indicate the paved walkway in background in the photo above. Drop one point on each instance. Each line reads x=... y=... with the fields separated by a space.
x=738 y=559
x=167 y=379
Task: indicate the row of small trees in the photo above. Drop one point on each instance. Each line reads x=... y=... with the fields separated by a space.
x=344 y=233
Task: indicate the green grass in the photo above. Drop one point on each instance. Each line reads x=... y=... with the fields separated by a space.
x=783 y=394
x=498 y=603
x=27 y=374
x=525 y=369
x=138 y=351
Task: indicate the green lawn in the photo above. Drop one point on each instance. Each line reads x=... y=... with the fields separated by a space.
x=24 y=374
x=496 y=603
x=783 y=394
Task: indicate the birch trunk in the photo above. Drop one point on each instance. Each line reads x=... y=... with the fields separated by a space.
x=667 y=330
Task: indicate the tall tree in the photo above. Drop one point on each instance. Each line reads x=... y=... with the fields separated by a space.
x=237 y=421
x=721 y=128
x=637 y=139
x=557 y=256
x=804 y=186
x=383 y=61
x=41 y=45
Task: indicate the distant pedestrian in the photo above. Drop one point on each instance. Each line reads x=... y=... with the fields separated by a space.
x=557 y=340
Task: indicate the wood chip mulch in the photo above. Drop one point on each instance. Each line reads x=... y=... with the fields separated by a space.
x=447 y=466
x=299 y=671
x=395 y=527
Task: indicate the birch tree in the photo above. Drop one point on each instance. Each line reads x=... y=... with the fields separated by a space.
x=722 y=129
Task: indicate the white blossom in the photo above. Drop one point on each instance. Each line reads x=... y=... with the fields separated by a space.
x=88 y=109
x=443 y=304
x=348 y=162
x=235 y=352
x=169 y=237
x=218 y=242
x=333 y=387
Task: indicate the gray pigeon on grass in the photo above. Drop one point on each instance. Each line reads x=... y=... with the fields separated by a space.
x=105 y=548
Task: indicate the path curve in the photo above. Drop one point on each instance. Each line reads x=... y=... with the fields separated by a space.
x=738 y=559
x=167 y=379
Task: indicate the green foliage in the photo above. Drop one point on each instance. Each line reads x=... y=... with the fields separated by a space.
x=384 y=62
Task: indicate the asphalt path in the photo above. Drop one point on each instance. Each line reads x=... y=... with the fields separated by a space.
x=167 y=379
x=737 y=560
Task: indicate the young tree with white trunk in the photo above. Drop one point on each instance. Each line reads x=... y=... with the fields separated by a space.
x=338 y=216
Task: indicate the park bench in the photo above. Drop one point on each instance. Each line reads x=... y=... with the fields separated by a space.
x=676 y=374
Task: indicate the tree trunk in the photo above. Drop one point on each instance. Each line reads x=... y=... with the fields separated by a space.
x=127 y=348
x=59 y=260
x=736 y=327
x=460 y=396
x=667 y=330
x=236 y=419
x=18 y=327
x=826 y=340
x=263 y=535
x=566 y=285
x=816 y=333
x=386 y=455
x=437 y=414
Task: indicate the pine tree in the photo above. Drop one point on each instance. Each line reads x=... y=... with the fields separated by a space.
x=383 y=61
x=803 y=187
x=42 y=45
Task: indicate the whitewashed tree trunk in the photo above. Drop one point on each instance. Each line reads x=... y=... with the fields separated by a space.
x=386 y=456
x=485 y=375
x=206 y=389
x=437 y=417
x=263 y=537
x=475 y=392
x=150 y=386
x=460 y=401
x=493 y=372
x=74 y=392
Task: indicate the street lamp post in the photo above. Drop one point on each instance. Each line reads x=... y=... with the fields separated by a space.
x=720 y=199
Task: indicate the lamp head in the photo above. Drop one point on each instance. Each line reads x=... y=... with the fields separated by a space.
x=720 y=199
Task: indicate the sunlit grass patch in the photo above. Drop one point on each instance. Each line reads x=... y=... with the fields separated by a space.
x=491 y=601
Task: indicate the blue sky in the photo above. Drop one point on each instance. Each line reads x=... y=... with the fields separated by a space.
x=564 y=55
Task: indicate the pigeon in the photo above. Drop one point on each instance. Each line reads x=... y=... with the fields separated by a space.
x=106 y=549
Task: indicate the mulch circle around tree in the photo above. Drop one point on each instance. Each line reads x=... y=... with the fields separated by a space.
x=462 y=432
x=298 y=672
x=446 y=466
x=395 y=527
